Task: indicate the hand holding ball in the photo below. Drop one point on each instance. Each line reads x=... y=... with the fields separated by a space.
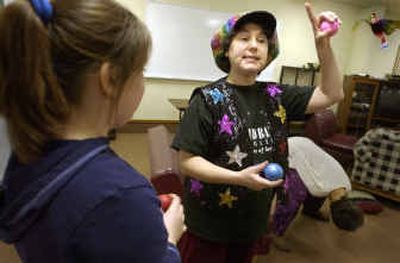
x=273 y=172
x=165 y=200
x=330 y=27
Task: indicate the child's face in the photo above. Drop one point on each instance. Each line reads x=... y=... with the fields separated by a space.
x=248 y=50
x=130 y=98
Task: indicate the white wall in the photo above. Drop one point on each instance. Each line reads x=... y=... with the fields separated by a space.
x=356 y=51
x=367 y=57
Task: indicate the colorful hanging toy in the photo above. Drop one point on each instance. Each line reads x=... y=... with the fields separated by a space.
x=382 y=27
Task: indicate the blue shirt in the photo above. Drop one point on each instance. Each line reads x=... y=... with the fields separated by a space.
x=101 y=211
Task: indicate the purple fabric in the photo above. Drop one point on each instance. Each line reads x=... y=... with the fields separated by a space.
x=285 y=213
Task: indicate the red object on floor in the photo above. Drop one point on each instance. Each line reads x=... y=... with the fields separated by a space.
x=370 y=206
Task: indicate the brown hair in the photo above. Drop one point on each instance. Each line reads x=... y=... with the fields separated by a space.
x=42 y=66
x=225 y=63
x=346 y=215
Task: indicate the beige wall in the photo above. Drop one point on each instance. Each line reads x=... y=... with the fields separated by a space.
x=155 y=103
x=366 y=55
x=356 y=51
x=133 y=148
x=136 y=6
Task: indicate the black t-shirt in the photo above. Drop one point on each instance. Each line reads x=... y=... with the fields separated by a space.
x=195 y=135
x=195 y=130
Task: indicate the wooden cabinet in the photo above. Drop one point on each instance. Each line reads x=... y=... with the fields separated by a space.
x=358 y=111
x=298 y=76
x=355 y=111
x=387 y=108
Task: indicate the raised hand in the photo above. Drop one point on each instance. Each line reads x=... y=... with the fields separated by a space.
x=325 y=25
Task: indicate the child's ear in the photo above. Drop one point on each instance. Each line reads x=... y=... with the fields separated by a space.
x=107 y=79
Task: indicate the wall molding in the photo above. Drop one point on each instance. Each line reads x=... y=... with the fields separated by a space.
x=141 y=126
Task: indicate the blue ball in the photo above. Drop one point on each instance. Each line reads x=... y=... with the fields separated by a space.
x=273 y=172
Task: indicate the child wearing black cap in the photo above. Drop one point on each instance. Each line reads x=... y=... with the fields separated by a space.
x=233 y=128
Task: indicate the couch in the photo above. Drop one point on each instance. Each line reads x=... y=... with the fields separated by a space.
x=377 y=163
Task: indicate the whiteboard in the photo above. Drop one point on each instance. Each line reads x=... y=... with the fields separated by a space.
x=181 y=43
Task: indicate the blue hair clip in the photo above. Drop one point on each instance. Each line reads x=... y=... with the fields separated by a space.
x=43 y=9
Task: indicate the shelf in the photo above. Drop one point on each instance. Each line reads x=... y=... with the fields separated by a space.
x=354 y=126
x=360 y=106
x=368 y=103
x=298 y=76
x=181 y=105
x=385 y=119
x=141 y=126
x=362 y=100
x=356 y=110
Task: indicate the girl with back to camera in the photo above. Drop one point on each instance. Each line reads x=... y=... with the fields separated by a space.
x=70 y=71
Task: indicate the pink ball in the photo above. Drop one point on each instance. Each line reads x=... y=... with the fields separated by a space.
x=330 y=27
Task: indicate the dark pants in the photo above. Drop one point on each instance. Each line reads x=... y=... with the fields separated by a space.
x=194 y=249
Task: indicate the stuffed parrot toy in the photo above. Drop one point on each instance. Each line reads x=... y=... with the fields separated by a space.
x=382 y=27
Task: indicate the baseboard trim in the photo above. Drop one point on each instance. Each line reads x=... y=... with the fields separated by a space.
x=141 y=126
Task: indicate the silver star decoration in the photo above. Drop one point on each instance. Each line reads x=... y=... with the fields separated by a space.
x=236 y=156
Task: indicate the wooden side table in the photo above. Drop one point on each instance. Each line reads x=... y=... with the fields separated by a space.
x=180 y=104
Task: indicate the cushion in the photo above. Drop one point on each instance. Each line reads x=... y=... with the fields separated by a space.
x=357 y=194
x=366 y=201
x=340 y=141
x=369 y=206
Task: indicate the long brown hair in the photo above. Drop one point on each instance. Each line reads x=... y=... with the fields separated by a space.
x=42 y=66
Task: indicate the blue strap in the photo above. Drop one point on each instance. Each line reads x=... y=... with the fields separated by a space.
x=43 y=9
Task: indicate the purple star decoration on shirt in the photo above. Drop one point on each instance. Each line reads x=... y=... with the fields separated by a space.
x=225 y=125
x=195 y=187
x=273 y=90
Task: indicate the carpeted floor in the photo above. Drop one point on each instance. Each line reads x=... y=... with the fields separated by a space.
x=312 y=241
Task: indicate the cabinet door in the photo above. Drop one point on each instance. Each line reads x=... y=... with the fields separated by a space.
x=305 y=77
x=288 y=75
x=387 y=106
x=297 y=76
x=361 y=107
